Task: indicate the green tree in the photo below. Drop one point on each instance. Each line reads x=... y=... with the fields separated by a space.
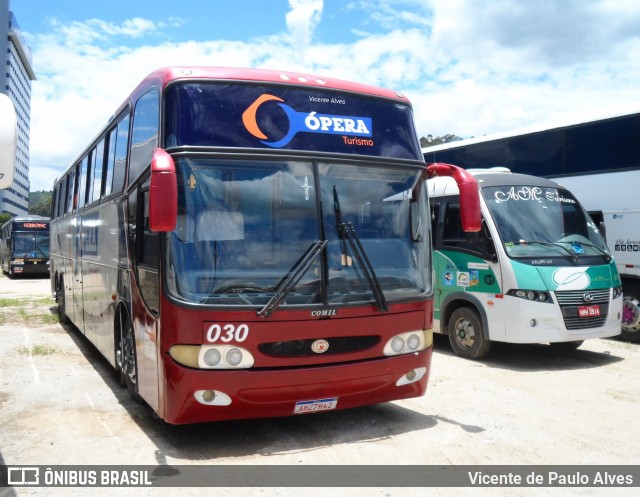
x=4 y=218
x=41 y=209
x=430 y=141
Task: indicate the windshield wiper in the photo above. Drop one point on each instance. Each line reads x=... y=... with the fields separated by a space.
x=347 y=232
x=607 y=256
x=573 y=255
x=288 y=283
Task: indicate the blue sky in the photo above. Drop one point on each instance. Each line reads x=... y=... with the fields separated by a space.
x=470 y=67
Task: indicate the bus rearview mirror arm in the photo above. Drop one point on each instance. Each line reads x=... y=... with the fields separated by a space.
x=163 y=193
x=470 y=216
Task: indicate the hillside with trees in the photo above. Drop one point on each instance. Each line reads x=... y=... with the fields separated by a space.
x=40 y=203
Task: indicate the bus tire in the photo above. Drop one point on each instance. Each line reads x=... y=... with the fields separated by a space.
x=126 y=355
x=466 y=334
x=61 y=300
x=630 y=313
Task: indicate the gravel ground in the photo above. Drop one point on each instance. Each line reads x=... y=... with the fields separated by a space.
x=60 y=403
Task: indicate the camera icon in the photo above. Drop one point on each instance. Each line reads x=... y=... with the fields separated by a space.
x=23 y=475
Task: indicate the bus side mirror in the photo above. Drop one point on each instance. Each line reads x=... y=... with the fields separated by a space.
x=163 y=193
x=602 y=228
x=470 y=216
x=8 y=141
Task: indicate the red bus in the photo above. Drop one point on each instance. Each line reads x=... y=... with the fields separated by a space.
x=244 y=243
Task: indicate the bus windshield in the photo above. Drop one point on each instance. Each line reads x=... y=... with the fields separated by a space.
x=536 y=221
x=30 y=245
x=244 y=225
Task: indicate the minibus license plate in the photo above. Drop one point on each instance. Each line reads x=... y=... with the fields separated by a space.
x=315 y=405
x=588 y=311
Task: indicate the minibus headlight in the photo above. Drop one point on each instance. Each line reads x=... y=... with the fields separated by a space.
x=617 y=292
x=531 y=295
x=409 y=342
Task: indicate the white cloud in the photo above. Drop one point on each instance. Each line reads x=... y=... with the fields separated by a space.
x=303 y=18
x=470 y=67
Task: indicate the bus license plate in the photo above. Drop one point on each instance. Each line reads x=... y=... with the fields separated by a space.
x=306 y=406
x=588 y=311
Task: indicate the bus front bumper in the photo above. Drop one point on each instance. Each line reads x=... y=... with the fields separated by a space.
x=201 y=396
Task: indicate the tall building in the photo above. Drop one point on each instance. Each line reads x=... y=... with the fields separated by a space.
x=15 y=82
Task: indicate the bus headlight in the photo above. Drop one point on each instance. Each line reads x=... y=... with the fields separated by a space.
x=212 y=356
x=617 y=292
x=409 y=342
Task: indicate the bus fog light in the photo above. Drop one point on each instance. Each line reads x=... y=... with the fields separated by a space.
x=412 y=376
x=212 y=397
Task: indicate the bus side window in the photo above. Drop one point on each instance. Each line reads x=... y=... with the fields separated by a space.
x=114 y=173
x=120 y=159
x=98 y=167
x=144 y=133
x=82 y=182
x=148 y=253
x=435 y=223
x=71 y=182
x=454 y=237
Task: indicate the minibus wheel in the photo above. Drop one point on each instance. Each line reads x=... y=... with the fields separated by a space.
x=466 y=334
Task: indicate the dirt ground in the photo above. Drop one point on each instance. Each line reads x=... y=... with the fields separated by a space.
x=60 y=403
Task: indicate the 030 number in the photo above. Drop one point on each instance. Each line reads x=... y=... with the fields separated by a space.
x=227 y=333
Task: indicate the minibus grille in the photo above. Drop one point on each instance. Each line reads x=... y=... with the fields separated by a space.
x=302 y=348
x=571 y=302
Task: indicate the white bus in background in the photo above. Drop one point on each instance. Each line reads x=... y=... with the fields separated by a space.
x=598 y=160
x=537 y=272
x=8 y=139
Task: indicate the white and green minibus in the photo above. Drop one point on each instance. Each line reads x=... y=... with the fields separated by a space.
x=539 y=271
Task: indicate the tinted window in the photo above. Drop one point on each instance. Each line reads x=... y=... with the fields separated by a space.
x=281 y=117
x=70 y=189
x=144 y=134
x=82 y=182
x=120 y=157
x=111 y=154
x=98 y=160
x=602 y=146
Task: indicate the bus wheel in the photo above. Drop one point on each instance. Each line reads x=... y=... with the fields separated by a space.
x=62 y=303
x=630 y=318
x=466 y=334
x=126 y=355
